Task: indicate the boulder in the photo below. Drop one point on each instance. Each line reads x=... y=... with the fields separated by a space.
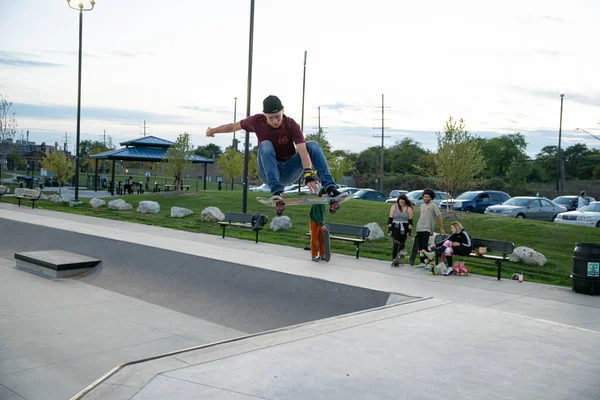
x=212 y=214
x=281 y=223
x=96 y=202
x=528 y=256
x=148 y=207
x=376 y=232
x=180 y=212
x=119 y=205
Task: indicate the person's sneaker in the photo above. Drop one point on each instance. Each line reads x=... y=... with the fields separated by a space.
x=316 y=258
x=277 y=196
x=333 y=192
x=322 y=258
x=449 y=272
x=422 y=265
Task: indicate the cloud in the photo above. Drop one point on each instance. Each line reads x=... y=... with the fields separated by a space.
x=196 y=108
x=581 y=98
x=534 y=19
x=131 y=53
x=548 y=53
x=60 y=112
x=340 y=106
x=15 y=59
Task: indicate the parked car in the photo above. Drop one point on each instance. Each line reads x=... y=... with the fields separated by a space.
x=350 y=190
x=478 y=200
x=416 y=197
x=397 y=192
x=369 y=194
x=570 y=202
x=586 y=216
x=527 y=207
x=262 y=188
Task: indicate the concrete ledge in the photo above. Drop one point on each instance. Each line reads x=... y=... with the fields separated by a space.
x=55 y=263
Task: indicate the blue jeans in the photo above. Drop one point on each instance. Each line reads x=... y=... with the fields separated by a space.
x=277 y=174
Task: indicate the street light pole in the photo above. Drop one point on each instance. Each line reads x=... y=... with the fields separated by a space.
x=81 y=10
x=234 y=143
x=558 y=170
x=248 y=98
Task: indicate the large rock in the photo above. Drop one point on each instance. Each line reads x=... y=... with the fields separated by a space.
x=119 y=205
x=528 y=256
x=180 y=212
x=281 y=223
x=148 y=207
x=376 y=232
x=212 y=214
x=96 y=202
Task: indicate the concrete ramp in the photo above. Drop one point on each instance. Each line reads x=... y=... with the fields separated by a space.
x=237 y=296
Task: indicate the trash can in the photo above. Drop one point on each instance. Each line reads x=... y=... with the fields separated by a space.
x=586 y=268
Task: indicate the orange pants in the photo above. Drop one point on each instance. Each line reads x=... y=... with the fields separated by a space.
x=317 y=246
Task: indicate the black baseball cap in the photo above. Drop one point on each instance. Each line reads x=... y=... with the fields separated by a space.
x=272 y=105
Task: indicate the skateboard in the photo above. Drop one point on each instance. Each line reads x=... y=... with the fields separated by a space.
x=326 y=245
x=333 y=202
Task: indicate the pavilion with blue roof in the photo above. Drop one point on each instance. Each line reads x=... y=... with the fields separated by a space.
x=146 y=149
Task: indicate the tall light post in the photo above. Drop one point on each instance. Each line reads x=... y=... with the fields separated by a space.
x=234 y=143
x=248 y=98
x=562 y=96
x=81 y=10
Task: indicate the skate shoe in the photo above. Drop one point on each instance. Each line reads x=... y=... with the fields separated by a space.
x=333 y=192
x=316 y=258
x=277 y=196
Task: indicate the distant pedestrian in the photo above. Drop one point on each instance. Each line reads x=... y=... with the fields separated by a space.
x=581 y=200
x=147 y=179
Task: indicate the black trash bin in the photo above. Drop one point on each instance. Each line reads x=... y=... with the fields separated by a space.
x=586 y=270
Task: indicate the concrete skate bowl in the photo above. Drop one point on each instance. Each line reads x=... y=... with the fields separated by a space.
x=237 y=296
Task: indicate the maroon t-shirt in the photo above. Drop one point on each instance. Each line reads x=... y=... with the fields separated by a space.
x=283 y=138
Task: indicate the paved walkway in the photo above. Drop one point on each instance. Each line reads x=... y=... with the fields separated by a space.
x=470 y=337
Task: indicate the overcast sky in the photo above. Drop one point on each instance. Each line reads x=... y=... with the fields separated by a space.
x=179 y=65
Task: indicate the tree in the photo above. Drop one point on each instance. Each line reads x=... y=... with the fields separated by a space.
x=500 y=152
x=211 y=151
x=253 y=166
x=340 y=166
x=61 y=168
x=459 y=158
x=16 y=158
x=178 y=159
x=403 y=156
x=519 y=171
x=321 y=138
x=8 y=128
x=231 y=164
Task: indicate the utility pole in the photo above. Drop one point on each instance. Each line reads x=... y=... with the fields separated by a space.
x=234 y=143
x=382 y=140
x=302 y=118
x=66 y=143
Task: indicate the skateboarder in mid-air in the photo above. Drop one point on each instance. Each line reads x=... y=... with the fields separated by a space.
x=283 y=154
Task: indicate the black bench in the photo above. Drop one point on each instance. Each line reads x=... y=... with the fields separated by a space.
x=3 y=191
x=242 y=220
x=30 y=194
x=350 y=233
x=500 y=250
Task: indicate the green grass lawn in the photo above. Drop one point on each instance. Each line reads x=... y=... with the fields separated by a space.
x=555 y=241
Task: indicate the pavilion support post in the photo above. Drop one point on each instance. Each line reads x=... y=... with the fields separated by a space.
x=205 y=169
x=96 y=177
x=112 y=182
